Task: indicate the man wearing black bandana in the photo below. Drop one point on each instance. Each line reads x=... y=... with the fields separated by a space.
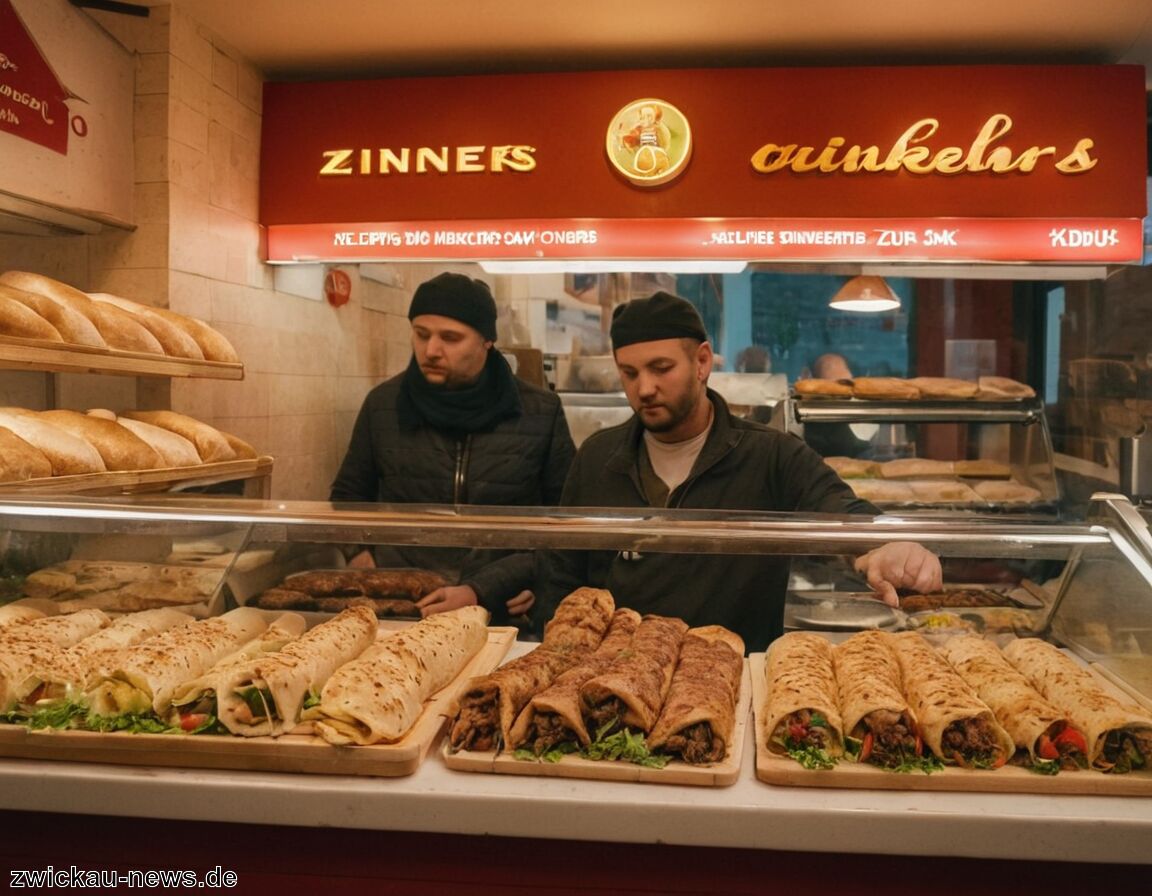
x=683 y=448
x=457 y=427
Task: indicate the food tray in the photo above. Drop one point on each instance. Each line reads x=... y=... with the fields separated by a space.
x=675 y=772
x=288 y=753
x=774 y=769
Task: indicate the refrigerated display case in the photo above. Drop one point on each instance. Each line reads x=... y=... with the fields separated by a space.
x=1101 y=609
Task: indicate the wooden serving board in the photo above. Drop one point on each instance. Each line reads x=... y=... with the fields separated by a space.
x=289 y=753
x=774 y=769
x=572 y=766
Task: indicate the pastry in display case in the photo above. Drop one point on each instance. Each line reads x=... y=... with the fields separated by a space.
x=935 y=443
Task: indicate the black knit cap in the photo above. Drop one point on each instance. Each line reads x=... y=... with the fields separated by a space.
x=458 y=297
x=660 y=316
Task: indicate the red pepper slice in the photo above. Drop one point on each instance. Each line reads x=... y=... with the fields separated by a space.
x=866 y=747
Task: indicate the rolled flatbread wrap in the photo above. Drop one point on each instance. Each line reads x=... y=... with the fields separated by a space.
x=555 y=715
x=956 y=724
x=872 y=703
x=630 y=692
x=66 y=676
x=580 y=621
x=147 y=674
x=483 y=715
x=15 y=613
x=698 y=718
x=31 y=650
x=801 y=711
x=198 y=695
x=378 y=697
x=1119 y=734
x=265 y=695
x=1040 y=730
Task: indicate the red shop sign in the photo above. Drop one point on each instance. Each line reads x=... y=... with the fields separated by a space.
x=31 y=96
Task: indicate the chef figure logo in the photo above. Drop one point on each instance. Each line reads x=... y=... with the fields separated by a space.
x=649 y=142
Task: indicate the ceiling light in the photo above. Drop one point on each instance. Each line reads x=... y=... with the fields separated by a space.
x=865 y=294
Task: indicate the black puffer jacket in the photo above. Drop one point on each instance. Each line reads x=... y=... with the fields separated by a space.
x=743 y=466
x=396 y=458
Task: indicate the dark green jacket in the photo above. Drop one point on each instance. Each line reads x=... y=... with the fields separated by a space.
x=396 y=458
x=743 y=466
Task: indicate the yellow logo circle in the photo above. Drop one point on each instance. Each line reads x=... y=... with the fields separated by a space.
x=649 y=142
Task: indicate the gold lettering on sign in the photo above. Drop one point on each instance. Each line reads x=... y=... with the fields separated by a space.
x=986 y=152
x=428 y=159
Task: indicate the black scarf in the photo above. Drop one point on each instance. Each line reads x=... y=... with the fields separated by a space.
x=473 y=408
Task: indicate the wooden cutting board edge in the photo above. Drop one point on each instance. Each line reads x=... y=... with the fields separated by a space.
x=774 y=769
x=289 y=753
x=721 y=774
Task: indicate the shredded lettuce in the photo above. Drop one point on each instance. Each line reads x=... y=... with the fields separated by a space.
x=811 y=757
x=631 y=746
x=133 y=722
x=57 y=714
x=552 y=754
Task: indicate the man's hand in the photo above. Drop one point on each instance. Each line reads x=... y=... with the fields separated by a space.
x=363 y=560
x=451 y=597
x=901 y=564
x=521 y=603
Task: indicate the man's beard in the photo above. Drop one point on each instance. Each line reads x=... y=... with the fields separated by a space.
x=677 y=413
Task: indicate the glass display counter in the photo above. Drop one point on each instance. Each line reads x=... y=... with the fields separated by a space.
x=1098 y=603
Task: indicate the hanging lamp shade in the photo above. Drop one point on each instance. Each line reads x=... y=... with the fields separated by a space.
x=865 y=294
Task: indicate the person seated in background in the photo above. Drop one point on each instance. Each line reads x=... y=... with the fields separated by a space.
x=457 y=427
x=834 y=439
x=754 y=359
x=683 y=448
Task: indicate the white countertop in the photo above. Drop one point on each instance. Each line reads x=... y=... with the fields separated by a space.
x=748 y=814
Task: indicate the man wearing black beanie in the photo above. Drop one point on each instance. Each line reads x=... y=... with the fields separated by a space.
x=457 y=427
x=683 y=448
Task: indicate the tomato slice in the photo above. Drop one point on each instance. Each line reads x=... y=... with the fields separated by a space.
x=1045 y=748
x=1072 y=739
x=866 y=747
x=190 y=721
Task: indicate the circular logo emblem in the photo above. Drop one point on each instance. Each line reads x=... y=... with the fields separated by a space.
x=649 y=142
x=337 y=287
